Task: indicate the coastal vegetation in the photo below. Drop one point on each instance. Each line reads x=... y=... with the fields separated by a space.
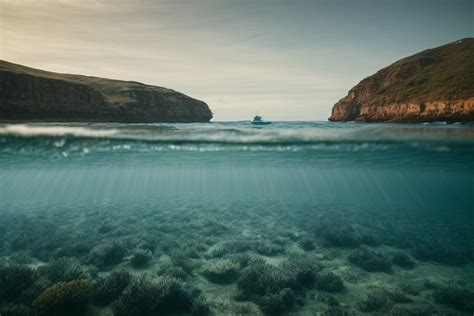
x=159 y=261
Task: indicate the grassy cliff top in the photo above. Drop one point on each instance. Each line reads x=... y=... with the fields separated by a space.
x=113 y=90
x=441 y=73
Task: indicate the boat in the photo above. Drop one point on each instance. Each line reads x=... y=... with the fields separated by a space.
x=257 y=120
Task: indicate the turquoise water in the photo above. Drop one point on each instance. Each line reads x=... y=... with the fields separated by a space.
x=409 y=188
x=424 y=167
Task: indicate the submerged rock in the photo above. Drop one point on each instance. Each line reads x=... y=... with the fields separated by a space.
x=374 y=302
x=461 y=298
x=404 y=261
x=140 y=258
x=64 y=298
x=28 y=94
x=329 y=282
x=14 y=280
x=434 y=85
x=370 y=260
x=163 y=296
x=222 y=271
x=107 y=289
x=107 y=254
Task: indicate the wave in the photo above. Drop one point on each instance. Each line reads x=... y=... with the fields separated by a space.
x=54 y=131
x=439 y=147
x=239 y=134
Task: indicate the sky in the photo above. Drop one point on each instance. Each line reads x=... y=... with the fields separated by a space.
x=286 y=60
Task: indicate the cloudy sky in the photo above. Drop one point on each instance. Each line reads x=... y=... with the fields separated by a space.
x=286 y=60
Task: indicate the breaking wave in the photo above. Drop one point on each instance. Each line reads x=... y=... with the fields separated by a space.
x=328 y=144
x=242 y=133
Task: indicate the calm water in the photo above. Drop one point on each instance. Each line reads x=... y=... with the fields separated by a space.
x=409 y=187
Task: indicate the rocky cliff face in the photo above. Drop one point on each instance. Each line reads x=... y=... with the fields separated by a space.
x=30 y=94
x=434 y=85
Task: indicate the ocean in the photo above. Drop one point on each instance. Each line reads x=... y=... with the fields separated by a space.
x=227 y=218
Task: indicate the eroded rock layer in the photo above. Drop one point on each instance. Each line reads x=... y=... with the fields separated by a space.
x=28 y=94
x=434 y=85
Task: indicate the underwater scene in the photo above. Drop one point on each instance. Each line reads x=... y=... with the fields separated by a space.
x=226 y=218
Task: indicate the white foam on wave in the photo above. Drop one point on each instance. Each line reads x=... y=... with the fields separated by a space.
x=248 y=136
x=30 y=130
x=237 y=135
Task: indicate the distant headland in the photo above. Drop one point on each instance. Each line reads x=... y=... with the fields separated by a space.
x=434 y=85
x=28 y=94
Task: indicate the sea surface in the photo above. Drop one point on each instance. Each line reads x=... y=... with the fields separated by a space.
x=380 y=215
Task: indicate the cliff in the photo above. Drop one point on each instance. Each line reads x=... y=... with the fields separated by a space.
x=434 y=85
x=28 y=94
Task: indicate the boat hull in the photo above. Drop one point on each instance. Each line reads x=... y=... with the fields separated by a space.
x=261 y=123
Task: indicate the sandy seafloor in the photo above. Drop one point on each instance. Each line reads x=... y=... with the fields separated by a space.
x=300 y=218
